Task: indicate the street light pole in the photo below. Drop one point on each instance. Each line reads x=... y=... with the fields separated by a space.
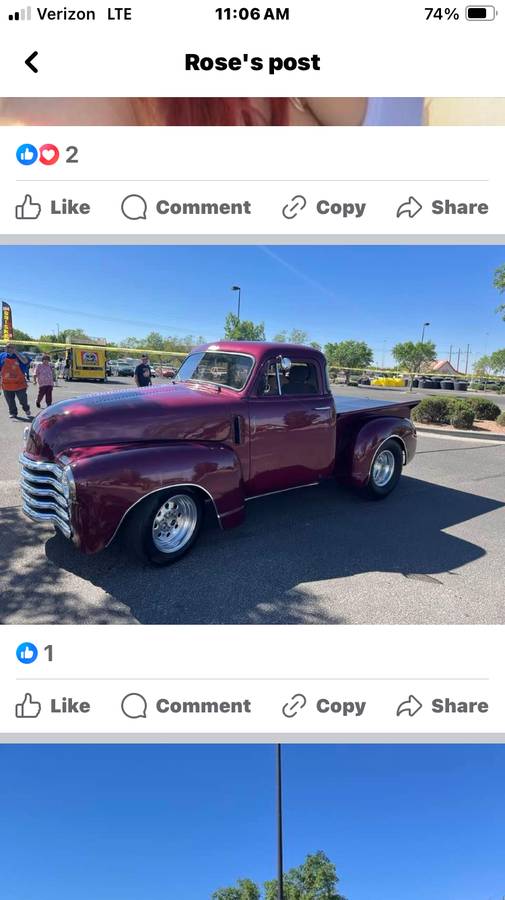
x=280 y=861
x=383 y=351
x=426 y=324
x=236 y=287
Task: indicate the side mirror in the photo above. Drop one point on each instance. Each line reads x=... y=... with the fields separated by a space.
x=285 y=363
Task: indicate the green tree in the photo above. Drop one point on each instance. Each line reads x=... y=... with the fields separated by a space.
x=295 y=336
x=483 y=365
x=499 y=284
x=132 y=342
x=411 y=356
x=315 y=879
x=154 y=340
x=61 y=336
x=18 y=335
x=349 y=355
x=245 y=890
x=497 y=361
x=236 y=329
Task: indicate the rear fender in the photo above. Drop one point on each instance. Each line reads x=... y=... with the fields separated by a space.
x=111 y=481
x=369 y=438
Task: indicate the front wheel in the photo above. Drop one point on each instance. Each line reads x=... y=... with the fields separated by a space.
x=163 y=528
x=385 y=470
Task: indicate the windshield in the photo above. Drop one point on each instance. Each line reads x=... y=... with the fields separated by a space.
x=228 y=369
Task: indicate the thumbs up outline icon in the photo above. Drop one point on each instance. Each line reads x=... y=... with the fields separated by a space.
x=28 y=708
x=28 y=209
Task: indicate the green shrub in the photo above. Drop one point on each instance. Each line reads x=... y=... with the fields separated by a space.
x=501 y=419
x=484 y=409
x=502 y=388
x=432 y=410
x=462 y=415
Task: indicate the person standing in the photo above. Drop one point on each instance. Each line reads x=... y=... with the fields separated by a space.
x=13 y=367
x=44 y=378
x=143 y=373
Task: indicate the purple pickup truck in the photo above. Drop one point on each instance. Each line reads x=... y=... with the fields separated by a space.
x=241 y=419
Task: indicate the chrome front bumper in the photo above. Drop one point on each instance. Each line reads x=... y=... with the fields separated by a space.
x=43 y=494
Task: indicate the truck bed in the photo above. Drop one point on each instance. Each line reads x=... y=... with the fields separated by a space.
x=348 y=406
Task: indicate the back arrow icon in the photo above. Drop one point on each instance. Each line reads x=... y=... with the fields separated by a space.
x=29 y=61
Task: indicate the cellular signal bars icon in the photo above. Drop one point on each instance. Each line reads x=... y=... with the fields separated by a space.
x=23 y=15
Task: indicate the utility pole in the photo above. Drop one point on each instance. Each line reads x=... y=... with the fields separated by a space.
x=450 y=354
x=467 y=355
x=459 y=354
x=280 y=861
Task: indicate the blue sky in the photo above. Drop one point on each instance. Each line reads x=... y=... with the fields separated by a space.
x=378 y=294
x=175 y=822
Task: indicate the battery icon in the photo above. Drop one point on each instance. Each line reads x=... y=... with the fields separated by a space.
x=480 y=13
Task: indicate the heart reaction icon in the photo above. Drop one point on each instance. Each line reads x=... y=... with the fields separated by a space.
x=49 y=154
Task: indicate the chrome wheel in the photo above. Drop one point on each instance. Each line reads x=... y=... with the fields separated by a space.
x=383 y=468
x=174 y=523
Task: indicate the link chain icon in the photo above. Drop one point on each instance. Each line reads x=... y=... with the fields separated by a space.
x=294 y=706
x=28 y=209
x=28 y=708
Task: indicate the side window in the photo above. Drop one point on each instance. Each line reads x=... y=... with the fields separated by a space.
x=302 y=379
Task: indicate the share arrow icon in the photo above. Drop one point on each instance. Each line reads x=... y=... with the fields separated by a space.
x=410 y=706
x=410 y=208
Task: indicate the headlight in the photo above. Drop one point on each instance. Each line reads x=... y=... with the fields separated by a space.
x=68 y=483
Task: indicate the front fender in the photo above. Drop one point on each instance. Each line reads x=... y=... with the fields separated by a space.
x=110 y=480
x=371 y=436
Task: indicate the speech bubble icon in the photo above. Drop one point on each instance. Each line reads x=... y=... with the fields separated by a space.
x=134 y=706
x=134 y=207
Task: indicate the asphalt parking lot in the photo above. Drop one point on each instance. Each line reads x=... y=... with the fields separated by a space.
x=431 y=553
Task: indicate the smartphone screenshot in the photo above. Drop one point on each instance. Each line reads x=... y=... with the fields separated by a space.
x=252 y=431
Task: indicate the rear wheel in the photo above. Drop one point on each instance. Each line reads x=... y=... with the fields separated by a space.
x=164 y=527
x=385 y=470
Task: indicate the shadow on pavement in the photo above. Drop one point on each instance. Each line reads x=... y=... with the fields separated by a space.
x=262 y=572
x=36 y=594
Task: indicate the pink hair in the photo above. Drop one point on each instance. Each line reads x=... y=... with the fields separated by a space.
x=213 y=111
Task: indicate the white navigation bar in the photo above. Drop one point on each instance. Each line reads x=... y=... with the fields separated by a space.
x=158 y=49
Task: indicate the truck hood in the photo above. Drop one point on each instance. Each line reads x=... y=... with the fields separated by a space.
x=138 y=415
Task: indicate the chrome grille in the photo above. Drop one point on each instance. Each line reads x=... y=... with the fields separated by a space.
x=42 y=493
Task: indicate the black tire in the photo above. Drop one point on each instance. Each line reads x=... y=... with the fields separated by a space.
x=376 y=488
x=139 y=530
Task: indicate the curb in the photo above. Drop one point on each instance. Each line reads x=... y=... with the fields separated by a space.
x=482 y=436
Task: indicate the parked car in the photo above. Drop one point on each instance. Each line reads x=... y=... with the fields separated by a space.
x=122 y=368
x=168 y=371
x=241 y=420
